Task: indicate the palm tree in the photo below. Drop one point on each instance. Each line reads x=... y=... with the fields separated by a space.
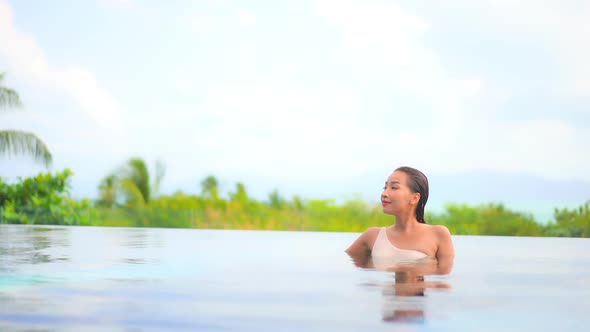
x=210 y=188
x=240 y=196
x=275 y=200
x=108 y=191
x=16 y=141
x=135 y=182
x=131 y=184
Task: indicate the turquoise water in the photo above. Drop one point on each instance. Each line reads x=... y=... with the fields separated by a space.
x=121 y=279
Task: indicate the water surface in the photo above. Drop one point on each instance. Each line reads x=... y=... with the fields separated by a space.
x=137 y=279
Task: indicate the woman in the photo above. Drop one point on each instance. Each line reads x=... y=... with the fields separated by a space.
x=410 y=238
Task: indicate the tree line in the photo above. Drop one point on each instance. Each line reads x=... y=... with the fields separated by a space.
x=130 y=200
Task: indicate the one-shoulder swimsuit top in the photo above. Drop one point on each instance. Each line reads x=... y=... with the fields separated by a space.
x=384 y=252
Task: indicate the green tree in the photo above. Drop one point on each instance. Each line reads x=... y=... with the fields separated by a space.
x=210 y=188
x=16 y=141
x=275 y=200
x=240 y=196
x=43 y=199
x=571 y=222
x=298 y=203
x=135 y=182
x=108 y=191
x=131 y=184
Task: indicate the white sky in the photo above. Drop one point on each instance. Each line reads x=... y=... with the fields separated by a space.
x=316 y=91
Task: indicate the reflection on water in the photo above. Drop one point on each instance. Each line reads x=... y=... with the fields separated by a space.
x=117 y=279
x=404 y=299
x=404 y=295
x=38 y=255
x=134 y=240
x=405 y=289
x=22 y=245
x=138 y=238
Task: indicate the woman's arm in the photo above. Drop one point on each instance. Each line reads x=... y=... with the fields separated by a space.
x=359 y=251
x=445 y=254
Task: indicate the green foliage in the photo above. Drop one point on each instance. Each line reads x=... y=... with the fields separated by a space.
x=275 y=200
x=136 y=180
x=43 y=199
x=489 y=219
x=571 y=223
x=239 y=198
x=8 y=97
x=210 y=188
x=107 y=191
x=130 y=185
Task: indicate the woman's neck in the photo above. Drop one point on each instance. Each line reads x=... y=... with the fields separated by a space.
x=405 y=222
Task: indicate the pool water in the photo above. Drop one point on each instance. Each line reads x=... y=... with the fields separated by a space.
x=138 y=279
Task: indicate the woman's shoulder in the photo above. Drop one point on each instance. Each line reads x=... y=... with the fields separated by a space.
x=370 y=235
x=370 y=232
x=373 y=231
x=439 y=230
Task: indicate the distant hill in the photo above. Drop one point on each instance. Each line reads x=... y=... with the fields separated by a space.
x=486 y=186
x=525 y=193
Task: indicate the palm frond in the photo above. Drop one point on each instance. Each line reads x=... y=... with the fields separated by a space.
x=133 y=195
x=8 y=97
x=160 y=170
x=15 y=142
x=136 y=171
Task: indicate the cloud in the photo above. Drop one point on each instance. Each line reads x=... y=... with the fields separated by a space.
x=120 y=4
x=546 y=147
x=209 y=22
x=26 y=59
x=270 y=129
x=282 y=124
x=372 y=23
x=543 y=146
x=558 y=29
x=426 y=113
x=359 y=87
x=246 y=18
x=459 y=128
x=387 y=42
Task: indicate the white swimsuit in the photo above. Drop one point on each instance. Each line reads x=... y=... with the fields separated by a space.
x=385 y=254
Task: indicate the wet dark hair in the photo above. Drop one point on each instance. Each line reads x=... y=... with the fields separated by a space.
x=418 y=183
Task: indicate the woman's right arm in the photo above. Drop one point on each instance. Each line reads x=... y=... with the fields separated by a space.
x=445 y=254
x=360 y=251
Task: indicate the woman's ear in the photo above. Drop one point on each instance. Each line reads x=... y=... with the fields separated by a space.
x=415 y=198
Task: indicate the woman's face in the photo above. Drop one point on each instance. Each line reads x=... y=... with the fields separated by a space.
x=397 y=196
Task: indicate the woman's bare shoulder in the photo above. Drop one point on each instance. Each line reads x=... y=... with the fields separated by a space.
x=372 y=230
x=439 y=230
x=370 y=235
x=363 y=244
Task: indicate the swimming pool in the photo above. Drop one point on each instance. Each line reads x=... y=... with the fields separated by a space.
x=137 y=279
